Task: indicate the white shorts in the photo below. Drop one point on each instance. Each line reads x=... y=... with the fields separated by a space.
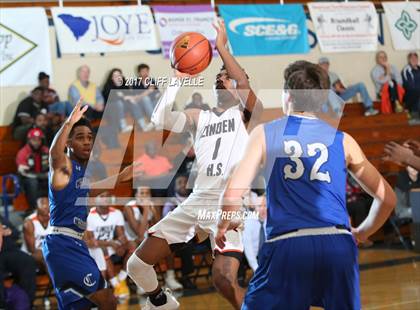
x=196 y=216
x=99 y=257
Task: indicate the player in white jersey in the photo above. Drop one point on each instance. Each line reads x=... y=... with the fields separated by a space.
x=220 y=137
x=106 y=241
x=35 y=228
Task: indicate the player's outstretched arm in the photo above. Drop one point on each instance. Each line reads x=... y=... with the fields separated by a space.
x=60 y=164
x=241 y=180
x=235 y=71
x=374 y=184
x=164 y=117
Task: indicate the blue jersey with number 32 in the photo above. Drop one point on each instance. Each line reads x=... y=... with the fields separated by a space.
x=306 y=175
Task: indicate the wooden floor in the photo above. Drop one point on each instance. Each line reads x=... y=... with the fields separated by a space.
x=390 y=279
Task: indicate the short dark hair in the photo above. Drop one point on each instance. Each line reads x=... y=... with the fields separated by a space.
x=42 y=76
x=38 y=88
x=142 y=66
x=301 y=79
x=81 y=122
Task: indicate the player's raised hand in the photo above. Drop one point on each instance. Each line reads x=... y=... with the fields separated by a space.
x=77 y=112
x=221 y=38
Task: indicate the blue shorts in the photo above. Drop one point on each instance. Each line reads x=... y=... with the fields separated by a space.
x=298 y=272
x=73 y=271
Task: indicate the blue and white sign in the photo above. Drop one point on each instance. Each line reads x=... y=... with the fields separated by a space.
x=104 y=29
x=266 y=29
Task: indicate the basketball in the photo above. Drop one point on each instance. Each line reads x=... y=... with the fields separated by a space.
x=190 y=53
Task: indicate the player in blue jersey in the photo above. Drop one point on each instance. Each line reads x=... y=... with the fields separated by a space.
x=76 y=278
x=310 y=257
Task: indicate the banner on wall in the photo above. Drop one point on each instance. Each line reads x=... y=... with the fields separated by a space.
x=266 y=29
x=174 y=20
x=24 y=46
x=104 y=29
x=345 y=26
x=404 y=24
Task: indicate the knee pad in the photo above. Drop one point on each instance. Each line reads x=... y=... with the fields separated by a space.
x=142 y=274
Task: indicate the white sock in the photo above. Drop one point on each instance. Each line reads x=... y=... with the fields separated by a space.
x=144 y=275
x=114 y=281
x=122 y=275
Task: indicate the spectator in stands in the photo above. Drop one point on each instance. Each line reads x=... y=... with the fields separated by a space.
x=407 y=154
x=411 y=82
x=187 y=264
x=115 y=103
x=254 y=229
x=138 y=213
x=197 y=103
x=388 y=83
x=152 y=164
x=406 y=180
x=12 y=260
x=90 y=93
x=35 y=228
x=346 y=93
x=51 y=98
x=145 y=96
x=358 y=204
x=41 y=122
x=105 y=230
x=32 y=164
x=27 y=109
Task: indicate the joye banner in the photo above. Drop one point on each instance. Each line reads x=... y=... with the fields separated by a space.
x=174 y=20
x=404 y=24
x=266 y=29
x=24 y=46
x=345 y=26
x=104 y=29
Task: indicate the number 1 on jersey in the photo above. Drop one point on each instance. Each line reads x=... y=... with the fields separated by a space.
x=216 y=148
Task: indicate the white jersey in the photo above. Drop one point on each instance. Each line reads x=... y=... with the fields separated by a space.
x=40 y=232
x=129 y=233
x=103 y=225
x=219 y=144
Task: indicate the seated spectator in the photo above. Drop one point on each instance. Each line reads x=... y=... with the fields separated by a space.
x=358 y=204
x=185 y=253
x=35 y=228
x=152 y=164
x=21 y=265
x=350 y=91
x=41 y=122
x=407 y=180
x=388 y=84
x=51 y=99
x=32 y=164
x=146 y=95
x=91 y=94
x=116 y=104
x=254 y=229
x=25 y=114
x=411 y=83
x=105 y=230
x=197 y=103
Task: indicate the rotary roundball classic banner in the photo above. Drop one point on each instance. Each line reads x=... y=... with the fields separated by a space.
x=404 y=24
x=345 y=26
x=104 y=29
x=24 y=46
x=174 y=20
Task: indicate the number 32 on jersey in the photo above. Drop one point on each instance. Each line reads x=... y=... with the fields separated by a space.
x=295 y=151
